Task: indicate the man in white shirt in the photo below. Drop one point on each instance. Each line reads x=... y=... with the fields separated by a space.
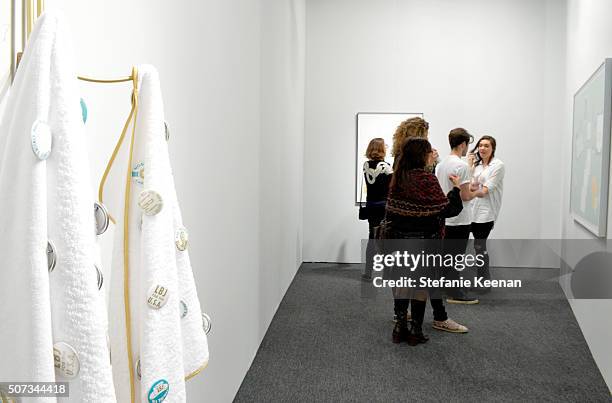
x=457 y=232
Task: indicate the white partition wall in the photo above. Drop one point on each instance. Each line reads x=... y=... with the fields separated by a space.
x=493 y=67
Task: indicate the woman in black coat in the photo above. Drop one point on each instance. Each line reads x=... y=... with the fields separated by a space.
x=377 y=176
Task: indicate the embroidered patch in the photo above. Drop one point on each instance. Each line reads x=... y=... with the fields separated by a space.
x=183 y=308
x=159 y=391
x=181 y=238
x=138 y=173
x=66 y=360
x=158 y=296
x=41 y=139
x=150 y=202
x=84 y=110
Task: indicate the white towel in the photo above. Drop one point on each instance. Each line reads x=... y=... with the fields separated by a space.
x=166 y=347
x=43 y=200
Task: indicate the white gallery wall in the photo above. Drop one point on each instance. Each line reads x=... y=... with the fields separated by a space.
x=589 y=42
x=493 y=67
x=232 y=76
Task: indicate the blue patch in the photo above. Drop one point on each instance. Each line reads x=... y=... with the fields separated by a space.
x=159 y=391
x=138 y=173
x=84 y=110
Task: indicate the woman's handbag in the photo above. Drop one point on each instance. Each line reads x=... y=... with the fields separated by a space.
x=364 y=212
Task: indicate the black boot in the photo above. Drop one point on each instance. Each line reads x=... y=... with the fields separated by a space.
x=400 y=330
x=416 y=335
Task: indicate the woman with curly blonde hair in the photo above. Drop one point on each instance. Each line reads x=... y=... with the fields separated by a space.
x=409 y=128
x=418 y=128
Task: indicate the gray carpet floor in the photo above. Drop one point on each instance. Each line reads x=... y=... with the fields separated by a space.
x=330 y=341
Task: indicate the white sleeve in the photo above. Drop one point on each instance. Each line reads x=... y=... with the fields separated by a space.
x=464 y=174
x=496 y=176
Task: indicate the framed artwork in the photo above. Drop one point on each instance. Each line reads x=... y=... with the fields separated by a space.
x=591 y=151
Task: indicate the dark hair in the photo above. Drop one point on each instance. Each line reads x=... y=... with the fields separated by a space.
x=491 y=140
x=459 y=136
x=376 y=150
x=415 y=155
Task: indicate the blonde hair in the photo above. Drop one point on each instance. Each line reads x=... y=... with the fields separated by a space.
x=410 y=128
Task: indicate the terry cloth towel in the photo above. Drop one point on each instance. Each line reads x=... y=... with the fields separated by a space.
x=49 y=319
x=157 y=337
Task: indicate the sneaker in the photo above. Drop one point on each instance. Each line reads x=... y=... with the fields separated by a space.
x=462 y=300
x=449 y=325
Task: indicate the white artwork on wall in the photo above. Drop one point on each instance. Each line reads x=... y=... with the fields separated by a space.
x=591 y=151
x=371 y=125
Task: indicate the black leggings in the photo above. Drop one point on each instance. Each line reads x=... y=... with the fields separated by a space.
x=418 y=309
x=481 y=232
x=373 y=221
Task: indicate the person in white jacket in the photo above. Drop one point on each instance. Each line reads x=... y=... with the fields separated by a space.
x=488 y=186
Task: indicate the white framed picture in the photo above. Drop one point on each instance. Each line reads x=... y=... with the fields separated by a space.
x=591 y=151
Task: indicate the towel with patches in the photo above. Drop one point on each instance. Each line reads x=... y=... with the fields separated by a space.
x=54 y=321
x=157 y=337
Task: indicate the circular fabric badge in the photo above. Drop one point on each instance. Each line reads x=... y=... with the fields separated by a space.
x=41 y=139
x=100 y=277
x=167 y=131
x=138 y=173
x=181 y=238
x=159 y=391
x=66 y=360
x=183 y=309
x=84 y=110
x=51 y=256
x=102 y=218
x=157 y=296
x=150 y=202
x=206 y=323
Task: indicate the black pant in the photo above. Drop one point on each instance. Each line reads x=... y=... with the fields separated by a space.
x=401 y=308
x=374 y=221
x=481 y=232
x=455 y=242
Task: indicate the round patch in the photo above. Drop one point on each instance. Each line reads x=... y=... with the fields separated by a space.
x=150 y=202
x=167 y=131
x=157 y=296
x=206 y=323
x=183 y=308
x=159 y=391
x=138 y=173
x=181 y=238
x=102 y=219
x=41 y=139
x=66 y=360
x=51 y=256
x=100 y=277
x=83 y=110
